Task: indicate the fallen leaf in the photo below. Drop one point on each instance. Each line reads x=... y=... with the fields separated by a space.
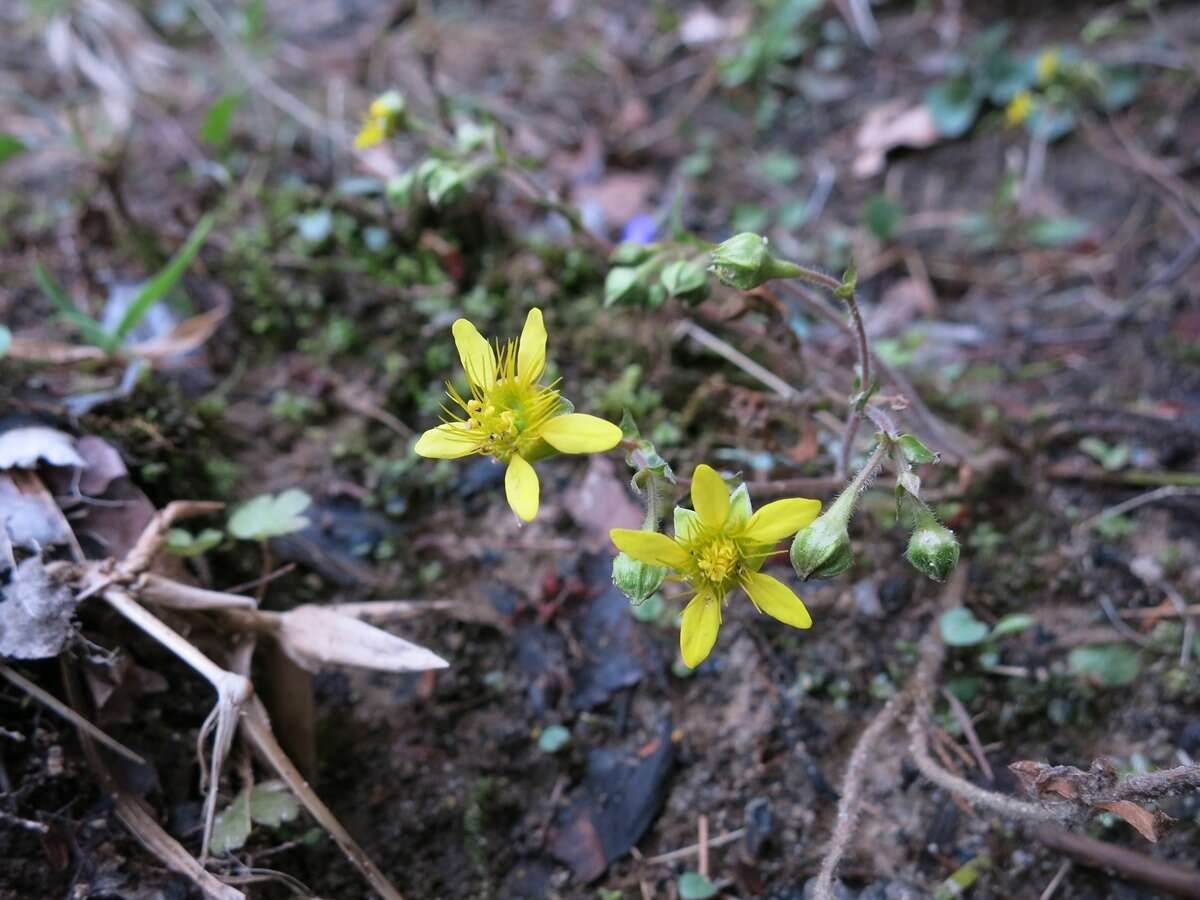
x=1151 y=824
x=35 y=615
x=102 y=465
x=894 y=124
x=314 y=637
x=601 y=501
x=27 y=447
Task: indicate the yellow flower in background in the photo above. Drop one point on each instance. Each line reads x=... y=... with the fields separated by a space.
x=1018 y=108
x=509 y=415
x=718 y=548
x=1047 y=65
x=385 y=116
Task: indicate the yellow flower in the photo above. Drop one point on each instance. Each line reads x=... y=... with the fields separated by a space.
x=1047 y=65
x=718 y=548
x=385 y=116
x=1018 y=108
x=511 y=416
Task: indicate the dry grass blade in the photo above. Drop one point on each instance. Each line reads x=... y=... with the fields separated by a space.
x=257 y=729
x=232 y=692
x=57 y=706
x=173 y=595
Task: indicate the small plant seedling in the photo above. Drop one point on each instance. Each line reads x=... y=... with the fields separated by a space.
x=553 y=738
x=694 y=886
x=182 y=542
x=268 y=516
x=268 y=803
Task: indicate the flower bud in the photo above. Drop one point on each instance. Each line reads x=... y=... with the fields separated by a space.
x=637 y=580
x=822 y=550
x=933 y=549
x=744 y=262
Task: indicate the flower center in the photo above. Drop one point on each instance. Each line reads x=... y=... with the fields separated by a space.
x=718 y=559
x=507 y=417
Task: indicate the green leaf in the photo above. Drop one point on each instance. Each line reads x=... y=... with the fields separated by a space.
x=684 y=278
x=954 y=105
x=650 y=610
x=779 y=167
x=87 y=327
x=1013 y=623
x=214 y=130
x=1111 y=456
x=182 y=542
x=272 y=804
x=694 y=886
x=1056 y=231
x=268 y=516
x=231 y=827
x=916 y=452
x=553 y=738
x=163 y=281
x=1003 y=76
x=1106 y=665
x=1113 y=528
x=10 y=146
x=883 y=216
x=5 y=340
x=960 y=628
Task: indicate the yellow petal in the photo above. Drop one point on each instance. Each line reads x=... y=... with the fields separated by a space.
x=521 y=488
x=531 y=351
x=698 y=633
x=777 y=600
x=580 y=433
x=371 y=134
x=710 y=497
x=450 y=441
x=781 y=519
x=478 y=357
x=649 y=547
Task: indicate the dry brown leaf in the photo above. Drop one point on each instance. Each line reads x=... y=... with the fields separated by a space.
x=102 y=465
x=183 y=338
x=1151 y=824
x=314 y=636
x=894 y=124
x=56 y=353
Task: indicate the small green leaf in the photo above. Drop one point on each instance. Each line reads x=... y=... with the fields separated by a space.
x=87 y=327
x=883 y=216
x=1106 y=665
x=954 y=105
x=916 y=452
x=1013 y=623
x=779 y=167
x=960 y=628
x=163 y=281
x=231 y=827
x=10 y=146
x=214 y=130
x=1049 y=231
x=694 y=886
x=182 y=542
x=650 y=610
x=268 y=516
x=271 y=803
x=553 y=738
x=684 y=278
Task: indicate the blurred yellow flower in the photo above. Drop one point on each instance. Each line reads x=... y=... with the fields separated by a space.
x=1047 y=65
x=1019 y=108
x=719 y=547
x=510 y=415
x=385 y=116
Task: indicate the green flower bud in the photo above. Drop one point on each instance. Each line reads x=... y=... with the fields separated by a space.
x=744 y=262
x=823 y=550
x=623 y=284
x=933 y=549
x=637 y=580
